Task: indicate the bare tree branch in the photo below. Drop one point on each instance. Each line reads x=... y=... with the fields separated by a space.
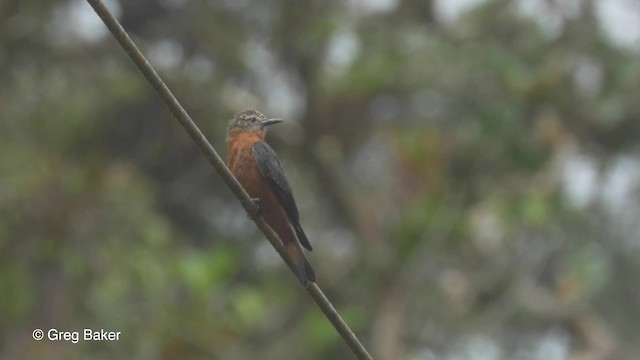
x=218 y=164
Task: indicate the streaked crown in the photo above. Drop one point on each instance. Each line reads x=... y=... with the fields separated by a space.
x=250 y=120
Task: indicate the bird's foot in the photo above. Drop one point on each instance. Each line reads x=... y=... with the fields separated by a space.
x=256 y=202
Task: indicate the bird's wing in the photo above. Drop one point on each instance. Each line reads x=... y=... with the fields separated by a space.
x=271 y=169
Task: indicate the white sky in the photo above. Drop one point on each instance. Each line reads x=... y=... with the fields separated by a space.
x=619 y=19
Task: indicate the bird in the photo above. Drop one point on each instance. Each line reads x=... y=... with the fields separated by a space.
x=257 y=167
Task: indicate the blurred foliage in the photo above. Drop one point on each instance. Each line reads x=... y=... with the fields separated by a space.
x=469 y=182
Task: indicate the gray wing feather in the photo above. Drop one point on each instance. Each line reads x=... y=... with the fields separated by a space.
x=271 y=169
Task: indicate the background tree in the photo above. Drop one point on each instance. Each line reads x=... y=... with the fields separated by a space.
x=468 y=175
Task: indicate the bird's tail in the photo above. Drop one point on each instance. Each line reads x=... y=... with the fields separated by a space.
x=301 y=266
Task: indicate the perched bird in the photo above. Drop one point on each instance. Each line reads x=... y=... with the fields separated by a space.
x=258 y=169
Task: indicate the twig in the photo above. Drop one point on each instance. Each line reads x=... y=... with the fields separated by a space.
x=214 y=159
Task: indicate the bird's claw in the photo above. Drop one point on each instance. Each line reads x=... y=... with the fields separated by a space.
x=256 y=202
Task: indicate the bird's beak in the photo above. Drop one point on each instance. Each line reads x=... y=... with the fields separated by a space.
x=270 y=122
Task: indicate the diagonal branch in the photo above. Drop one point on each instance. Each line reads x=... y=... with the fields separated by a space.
x=218 y=164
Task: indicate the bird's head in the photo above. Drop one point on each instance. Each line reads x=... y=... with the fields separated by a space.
x=250 y=120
